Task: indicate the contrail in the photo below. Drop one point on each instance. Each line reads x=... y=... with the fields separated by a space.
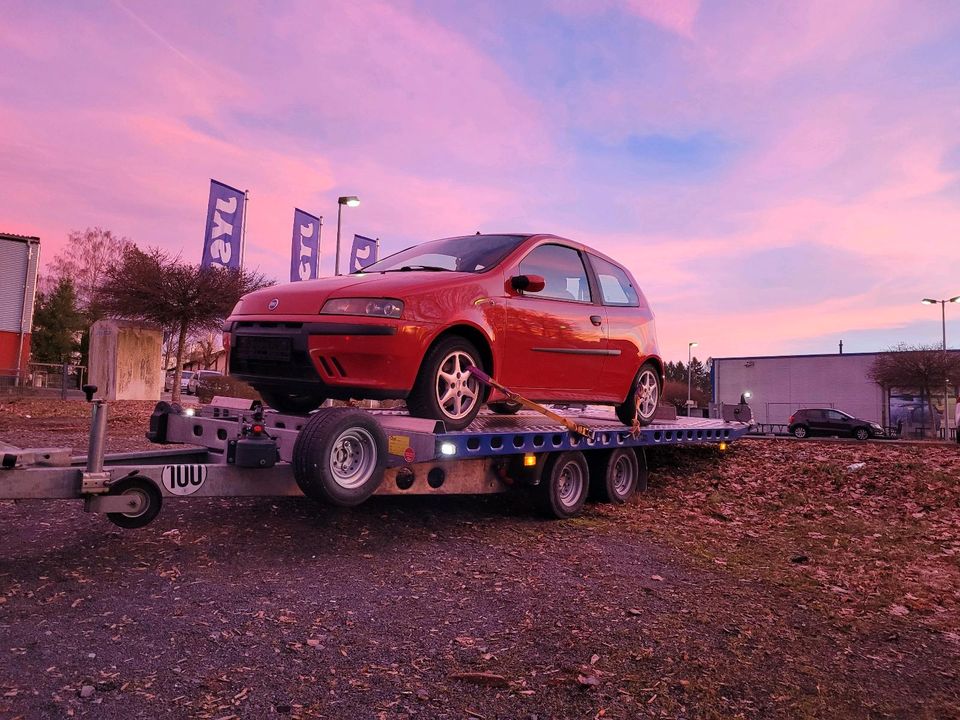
x=170 y=46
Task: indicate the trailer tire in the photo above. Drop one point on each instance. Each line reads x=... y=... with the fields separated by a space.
x=339 y=456
x=564 y=484
x=615 y=475
x=148 y=493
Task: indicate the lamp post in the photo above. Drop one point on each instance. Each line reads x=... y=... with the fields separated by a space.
x=943 y=320
x=349 y=201
x=690 y=347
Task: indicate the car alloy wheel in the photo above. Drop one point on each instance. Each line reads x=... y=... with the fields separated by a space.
x=800 y=431
x=641 y=404
x=456 y=391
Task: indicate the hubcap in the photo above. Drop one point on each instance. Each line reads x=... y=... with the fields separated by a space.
x=622 y=476
x=570 y=485
x=139 y=502
x=353 y=458
x=456 y=391
x=647 y=394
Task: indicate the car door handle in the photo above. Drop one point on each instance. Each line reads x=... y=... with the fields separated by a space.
x=596 y=319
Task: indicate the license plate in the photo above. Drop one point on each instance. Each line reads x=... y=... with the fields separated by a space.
x=269 y=349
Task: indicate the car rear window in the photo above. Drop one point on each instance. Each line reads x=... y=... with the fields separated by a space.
x=615 y=285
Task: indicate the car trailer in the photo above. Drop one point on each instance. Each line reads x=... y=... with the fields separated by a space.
x=344 y=455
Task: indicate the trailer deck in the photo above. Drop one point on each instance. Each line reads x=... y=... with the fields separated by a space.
x=344 y=455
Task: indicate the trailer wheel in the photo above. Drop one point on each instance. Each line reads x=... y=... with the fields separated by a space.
x=615 y=474
x=564 y=484
x=146 y=497
x=339 y=456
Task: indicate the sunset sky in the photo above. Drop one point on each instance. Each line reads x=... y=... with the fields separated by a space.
x=778 y=176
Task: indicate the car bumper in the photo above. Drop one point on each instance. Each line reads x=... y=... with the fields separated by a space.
x=346 y=357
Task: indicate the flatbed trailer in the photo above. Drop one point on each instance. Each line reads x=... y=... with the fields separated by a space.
x=343 y=456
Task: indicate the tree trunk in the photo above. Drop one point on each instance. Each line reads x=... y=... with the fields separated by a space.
x=181 y=345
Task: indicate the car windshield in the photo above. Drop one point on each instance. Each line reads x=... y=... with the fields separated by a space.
x=186 y=375
x=471 y=253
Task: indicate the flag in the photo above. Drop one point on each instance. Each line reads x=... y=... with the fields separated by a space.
x=224 y=232
x=305 y=253
x=363 y=253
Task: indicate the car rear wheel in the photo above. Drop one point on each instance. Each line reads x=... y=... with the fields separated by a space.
x=291 y=402
x=643 y=398
x=505 y=407
x=800 y=431
x=444 y=390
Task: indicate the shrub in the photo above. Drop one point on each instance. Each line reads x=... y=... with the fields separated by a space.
x=224 y=385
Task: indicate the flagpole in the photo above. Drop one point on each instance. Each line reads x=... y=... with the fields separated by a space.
x=316 y=273
x=243 y=231
x=378 y=251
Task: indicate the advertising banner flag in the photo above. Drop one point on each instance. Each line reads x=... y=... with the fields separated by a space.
x=363 y=253
x=305 y=252
x=223 y=238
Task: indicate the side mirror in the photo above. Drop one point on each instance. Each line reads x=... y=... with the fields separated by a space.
x=527 y=283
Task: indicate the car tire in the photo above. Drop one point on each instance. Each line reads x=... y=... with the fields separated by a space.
x=564 y=484
x=339 y=456
x=505 y=407
x=296 y=403
x=799 y=431
x=861 y=433
x=643 y=398
x=443 y=384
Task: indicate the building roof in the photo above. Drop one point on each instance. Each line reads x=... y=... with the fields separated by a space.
x=22 y=238
x=814 y=355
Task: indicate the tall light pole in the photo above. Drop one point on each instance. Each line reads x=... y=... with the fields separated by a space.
x=943 y=320
x=349 y=201
x=690 y=347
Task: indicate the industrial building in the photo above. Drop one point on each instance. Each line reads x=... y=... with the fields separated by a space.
x=779 y=385
x=19 y=261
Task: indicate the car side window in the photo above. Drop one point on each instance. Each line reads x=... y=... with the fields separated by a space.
x=834 y=416
x=564 y=276
x=813 y=415
x=615 y=285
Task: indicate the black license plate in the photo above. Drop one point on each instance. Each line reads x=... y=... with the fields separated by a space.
x=266 y=349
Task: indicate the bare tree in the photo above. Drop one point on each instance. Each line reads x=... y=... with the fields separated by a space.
x=160 y=288
x=923 y=368
x=85 y=260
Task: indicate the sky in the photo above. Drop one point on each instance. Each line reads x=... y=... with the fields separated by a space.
x=778 y=176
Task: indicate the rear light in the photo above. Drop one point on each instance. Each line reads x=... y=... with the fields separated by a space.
x=226 y=341
x=790 y=421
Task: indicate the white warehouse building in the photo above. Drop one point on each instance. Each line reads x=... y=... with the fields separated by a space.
x=779 y=385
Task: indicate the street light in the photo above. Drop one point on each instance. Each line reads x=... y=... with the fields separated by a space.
x=943 y=320
x=690 y=347
x=349 y=201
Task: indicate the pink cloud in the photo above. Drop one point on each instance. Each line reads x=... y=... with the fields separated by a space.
x=677 y=16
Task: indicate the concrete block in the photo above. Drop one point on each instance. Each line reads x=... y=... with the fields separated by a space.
x=126 y=360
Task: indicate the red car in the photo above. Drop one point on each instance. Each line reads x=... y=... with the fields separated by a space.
x=549 y=318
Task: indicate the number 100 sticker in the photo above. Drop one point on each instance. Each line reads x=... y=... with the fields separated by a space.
x=183 y=479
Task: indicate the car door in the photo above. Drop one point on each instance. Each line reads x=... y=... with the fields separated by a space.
x=556 y=338
x=837 y=422
x=816 y=421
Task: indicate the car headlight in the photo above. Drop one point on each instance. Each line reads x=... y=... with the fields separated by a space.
x=374 y=307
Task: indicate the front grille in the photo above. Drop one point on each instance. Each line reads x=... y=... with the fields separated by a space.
x=264 y=349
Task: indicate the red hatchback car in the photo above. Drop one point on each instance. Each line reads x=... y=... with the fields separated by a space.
x=549 y=318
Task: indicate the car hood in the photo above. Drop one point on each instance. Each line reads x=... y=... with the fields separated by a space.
x=306 y=298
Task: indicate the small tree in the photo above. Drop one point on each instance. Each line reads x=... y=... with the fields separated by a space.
x=923 y=368
x=160 y=288
x=56 y=323
x=86 y=261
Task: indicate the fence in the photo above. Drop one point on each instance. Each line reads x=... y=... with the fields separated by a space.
x=42 y=379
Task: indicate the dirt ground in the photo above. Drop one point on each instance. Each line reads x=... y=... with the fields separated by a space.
x=781 y=579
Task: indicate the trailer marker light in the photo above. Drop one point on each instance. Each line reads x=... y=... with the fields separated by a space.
x=529 y=460
x=189 y=412
x=448 y=448
x=723 y=446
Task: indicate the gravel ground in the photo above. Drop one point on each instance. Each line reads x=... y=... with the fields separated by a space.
x=705 y=598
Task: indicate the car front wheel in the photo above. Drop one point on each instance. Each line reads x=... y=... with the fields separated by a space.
x=861 y=433
x=444 y=389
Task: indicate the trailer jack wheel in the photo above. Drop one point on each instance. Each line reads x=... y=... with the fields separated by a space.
x=145 y=502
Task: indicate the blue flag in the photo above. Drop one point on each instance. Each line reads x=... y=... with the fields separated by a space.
x=363 y=253
x=224 y=233
x=305 y=253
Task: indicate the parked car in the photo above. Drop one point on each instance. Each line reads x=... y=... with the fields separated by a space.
x=198 y=377
x=827 y=421
x=549 y=318
x=185 y=377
